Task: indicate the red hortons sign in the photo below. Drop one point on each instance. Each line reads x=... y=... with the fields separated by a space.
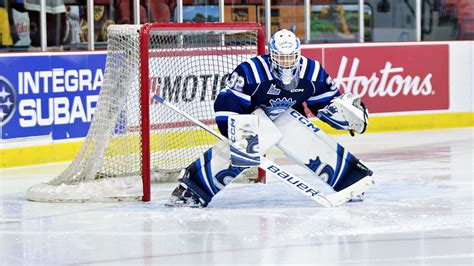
x=393 y=78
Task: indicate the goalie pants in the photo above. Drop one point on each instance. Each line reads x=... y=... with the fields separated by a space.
x=298 y=138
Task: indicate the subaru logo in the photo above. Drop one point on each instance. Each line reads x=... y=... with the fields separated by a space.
x=7 y=100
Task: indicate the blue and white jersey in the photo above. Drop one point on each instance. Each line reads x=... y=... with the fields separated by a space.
x=252 y=85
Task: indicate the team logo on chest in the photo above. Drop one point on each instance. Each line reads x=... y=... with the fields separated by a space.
x=273 y=90
x=278 y=106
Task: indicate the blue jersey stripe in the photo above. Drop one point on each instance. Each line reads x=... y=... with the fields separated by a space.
x=310 y=69
x=207 y=159
x=248 y=73
x=339 y=154
x=265 y=67
x=259 y=67
x=267 y=61
x=346 y=164
x=222 y=118
x=321 y=100
x=321 y=78
x=201 y=177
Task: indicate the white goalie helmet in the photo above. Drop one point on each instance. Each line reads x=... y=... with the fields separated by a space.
x=285 y=53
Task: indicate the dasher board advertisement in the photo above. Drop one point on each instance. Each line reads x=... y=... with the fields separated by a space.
x=390 y=78
x=49 y=95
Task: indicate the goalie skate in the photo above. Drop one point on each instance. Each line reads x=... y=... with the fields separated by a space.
x=182 y=197
x=359 y=198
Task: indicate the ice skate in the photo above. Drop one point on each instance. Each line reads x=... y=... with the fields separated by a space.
x=183 y=197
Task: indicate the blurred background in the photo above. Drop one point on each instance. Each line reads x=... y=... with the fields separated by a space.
x=68 y=26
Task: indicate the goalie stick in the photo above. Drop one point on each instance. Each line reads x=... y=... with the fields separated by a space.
x=331 y=200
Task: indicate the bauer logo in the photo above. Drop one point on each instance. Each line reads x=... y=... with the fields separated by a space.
x=8 y=100
x=293 y=180
x=389 y=82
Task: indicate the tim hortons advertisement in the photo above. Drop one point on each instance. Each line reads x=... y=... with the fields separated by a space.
x=393 y=78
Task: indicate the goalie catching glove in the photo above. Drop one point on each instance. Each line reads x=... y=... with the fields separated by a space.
x=346 y=112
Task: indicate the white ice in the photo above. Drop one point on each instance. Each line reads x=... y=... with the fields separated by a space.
x=420 y=211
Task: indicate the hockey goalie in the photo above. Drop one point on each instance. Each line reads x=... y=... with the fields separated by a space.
x=261 y=107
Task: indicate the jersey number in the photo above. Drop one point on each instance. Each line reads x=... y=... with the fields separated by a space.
x=235 y=82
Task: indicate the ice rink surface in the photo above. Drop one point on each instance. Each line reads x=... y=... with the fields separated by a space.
x=420 y=212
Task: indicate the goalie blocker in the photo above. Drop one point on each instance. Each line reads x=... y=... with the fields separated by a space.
x=294 y=134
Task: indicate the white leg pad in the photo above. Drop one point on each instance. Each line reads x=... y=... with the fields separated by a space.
x=302 y=141
x=309 y=146
x=244 y=140
x=269 y=134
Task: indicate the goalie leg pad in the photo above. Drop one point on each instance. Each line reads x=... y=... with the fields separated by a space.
x=310 y=147
x=210 y=173
x=353 y=174
x=244 y=141
x=269 y=134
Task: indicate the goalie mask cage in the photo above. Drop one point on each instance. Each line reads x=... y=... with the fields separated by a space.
x=132 y=139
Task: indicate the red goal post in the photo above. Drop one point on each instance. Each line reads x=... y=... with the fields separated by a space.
x=145 y=79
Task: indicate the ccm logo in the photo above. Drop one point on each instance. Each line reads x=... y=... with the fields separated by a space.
x=297 y=90
x=303 y=120
x=292 y=180
x=232 y=130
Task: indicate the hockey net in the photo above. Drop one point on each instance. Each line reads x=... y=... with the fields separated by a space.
x=133 y=139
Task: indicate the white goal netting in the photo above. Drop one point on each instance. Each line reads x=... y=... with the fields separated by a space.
x=187 y=65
